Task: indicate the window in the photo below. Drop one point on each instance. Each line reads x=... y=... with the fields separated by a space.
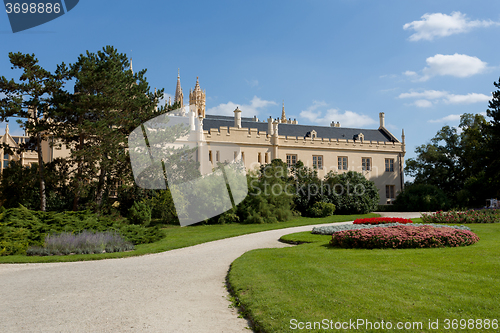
x=267 y=158
x=317 y=162
x=243 y=157
x=5 y=164
x=210 y=156
x=217 y=156
x=342 y=163
x=366 y=163
x=5 y=156
x=389 y=165
x=291 y=160
x=390 y=191
x=259 y=158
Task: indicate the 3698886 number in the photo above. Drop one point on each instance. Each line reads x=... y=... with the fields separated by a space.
x=32 y=8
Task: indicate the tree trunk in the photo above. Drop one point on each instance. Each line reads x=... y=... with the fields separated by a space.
x=100 y=187
x=43 y=199
x=79 y=184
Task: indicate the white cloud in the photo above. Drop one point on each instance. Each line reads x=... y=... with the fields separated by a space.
x=247 y=110
x=458 y=65
x=427 y=94
x=424 y=98
x=450 y=118
x=346 y=118
x=442 y=25
x=467 y=99
x=410 y=73
x=423 y=103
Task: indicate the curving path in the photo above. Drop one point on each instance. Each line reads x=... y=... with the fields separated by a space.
x=176 y=291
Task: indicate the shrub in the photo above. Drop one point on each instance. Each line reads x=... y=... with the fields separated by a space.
x=322 y=209
x=403 y=236
x=306 y=189
x=140 y=213
x=85 y=242
x=262 y=204
x=21 y=228
x=351 y=193
x=382 y=220
x=163 y=208
x=470 y=216
x=421 y=198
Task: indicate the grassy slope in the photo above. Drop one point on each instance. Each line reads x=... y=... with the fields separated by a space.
x=312 y=282
x=178 y=237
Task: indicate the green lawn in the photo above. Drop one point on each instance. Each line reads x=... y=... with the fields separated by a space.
x=178 y=237
x=281 y=290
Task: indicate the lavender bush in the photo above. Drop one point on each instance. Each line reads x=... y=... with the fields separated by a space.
x=85 y=242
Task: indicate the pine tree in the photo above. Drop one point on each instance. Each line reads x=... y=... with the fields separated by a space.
x=108 y=103
x=493 y=166
x=31 y=100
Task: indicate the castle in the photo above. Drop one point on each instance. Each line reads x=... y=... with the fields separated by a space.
x=376 y=153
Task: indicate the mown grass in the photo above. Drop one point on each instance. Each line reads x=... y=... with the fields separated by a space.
x=179 y=237
x=313 y=281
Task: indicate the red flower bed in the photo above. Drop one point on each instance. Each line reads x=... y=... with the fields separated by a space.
x=382 y=220
x=402 y=237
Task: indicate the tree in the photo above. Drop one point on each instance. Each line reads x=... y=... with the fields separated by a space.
x=307 y=187
x=108 y=103
x=350 y=192
x=493 y=165
x=31 y=100
x=438 y=162
x=455 y=163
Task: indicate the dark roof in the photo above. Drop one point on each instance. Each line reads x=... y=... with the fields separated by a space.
x=327 y=132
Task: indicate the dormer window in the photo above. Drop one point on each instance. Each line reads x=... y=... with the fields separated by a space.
x=359 y=137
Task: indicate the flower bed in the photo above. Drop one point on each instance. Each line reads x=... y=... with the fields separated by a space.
x=331 y=229
x=469 y=216
x=382 y=220
x=403 y=236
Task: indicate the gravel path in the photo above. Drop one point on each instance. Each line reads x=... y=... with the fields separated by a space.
x=176 y=291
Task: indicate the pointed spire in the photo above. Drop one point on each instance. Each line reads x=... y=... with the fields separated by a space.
x=283 y=116
x=131 y=69
x=179 y=96
x=169 y=103
x=7 y=128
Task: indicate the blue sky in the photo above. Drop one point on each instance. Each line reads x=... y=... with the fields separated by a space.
x=423 y=63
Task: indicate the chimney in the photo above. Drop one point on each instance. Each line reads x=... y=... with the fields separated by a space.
x=270 y=125
x=382 y=119
x=237 y=118
x=275 y=127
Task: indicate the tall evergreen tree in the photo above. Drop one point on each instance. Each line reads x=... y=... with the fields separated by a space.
x=109 y=101
x=31 y=100
x=493 y=166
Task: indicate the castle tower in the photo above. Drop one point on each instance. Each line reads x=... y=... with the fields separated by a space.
x=283 y=116
x=179 y=96
x=198 y=97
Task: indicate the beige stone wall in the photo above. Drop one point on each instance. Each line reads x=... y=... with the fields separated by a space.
x=252 y=143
